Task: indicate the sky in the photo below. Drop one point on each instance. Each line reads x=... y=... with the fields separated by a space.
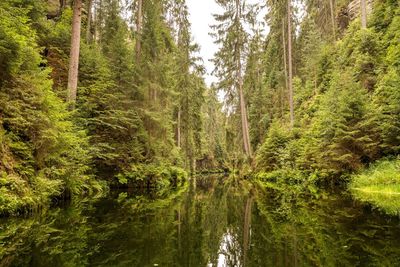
x=201 y=18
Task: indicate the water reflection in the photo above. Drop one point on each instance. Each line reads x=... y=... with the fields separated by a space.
x=213 y=222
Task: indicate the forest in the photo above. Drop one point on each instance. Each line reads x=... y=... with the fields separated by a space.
x=105 y=95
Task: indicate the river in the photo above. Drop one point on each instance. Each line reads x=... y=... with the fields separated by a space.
x=213 y=221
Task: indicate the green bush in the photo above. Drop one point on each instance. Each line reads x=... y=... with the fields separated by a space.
x=270 y=156
x=157 y=176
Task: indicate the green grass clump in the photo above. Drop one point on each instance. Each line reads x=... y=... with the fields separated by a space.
x=379 y=185
x=383 y=173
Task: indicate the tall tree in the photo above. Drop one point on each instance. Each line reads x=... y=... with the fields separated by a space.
x=139 y=28
x=323 y=13
x=89 y=21
x=187 y=87
x=290 y=78
x=284 y=63
x=74 y=53
x=231 y=36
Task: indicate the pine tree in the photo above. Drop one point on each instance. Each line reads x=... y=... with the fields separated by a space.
x=232 y=38
x=255 y=92
x=290 y=64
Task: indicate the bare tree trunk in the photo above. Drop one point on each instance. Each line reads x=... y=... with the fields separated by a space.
x=94 y=22
x=179 y=128
x=245 y=125
x=89 y=22
x=139 y=26
x=242 y=102
x=99 y=21
x=260 y=131
x=363 y=14
x=284 y=64
x=74 y=53
x=333 y=19
x=291 y=104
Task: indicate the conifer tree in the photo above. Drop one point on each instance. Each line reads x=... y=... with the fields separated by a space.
x=230 y=34
x=190 y=88
x=290 y=63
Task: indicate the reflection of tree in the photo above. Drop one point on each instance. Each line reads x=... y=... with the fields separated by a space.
x=57 y=238
x=246 y=227
x=234 y=241
x=388 y=203
x=329 y=230
x=212 y=221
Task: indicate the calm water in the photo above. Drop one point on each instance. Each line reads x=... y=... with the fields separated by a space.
x=211 y=222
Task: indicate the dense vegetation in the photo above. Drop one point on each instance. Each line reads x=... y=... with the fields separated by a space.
x=346 y=93
x=112 y=92
x=138 y=114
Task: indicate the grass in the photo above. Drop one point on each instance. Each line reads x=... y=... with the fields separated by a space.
x=380 y=189
x=379 y=185
x=385 y=172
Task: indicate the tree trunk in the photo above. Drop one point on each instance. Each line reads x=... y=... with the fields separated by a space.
x=179 y=129
x=284 y=64
x=245 y=124
x=139 y=26
x=99 y=20
x=89 y=22
x=332 y=7
x=74 y=53
x=242 y=102
x=291 y=104
x=363 y=14
x=94 y=22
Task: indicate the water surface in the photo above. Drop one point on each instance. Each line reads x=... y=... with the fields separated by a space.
x=211 y=222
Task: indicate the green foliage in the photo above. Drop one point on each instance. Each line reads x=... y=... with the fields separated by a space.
x=151 y=175
x=386 y=107
x=284 y=176
x=346 y=98
x=43 y=153
x=361 y=50
x=115 y=130
x=340 y=128
x=270 y=155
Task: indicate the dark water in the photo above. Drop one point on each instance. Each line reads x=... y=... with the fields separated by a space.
x=212 y=222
